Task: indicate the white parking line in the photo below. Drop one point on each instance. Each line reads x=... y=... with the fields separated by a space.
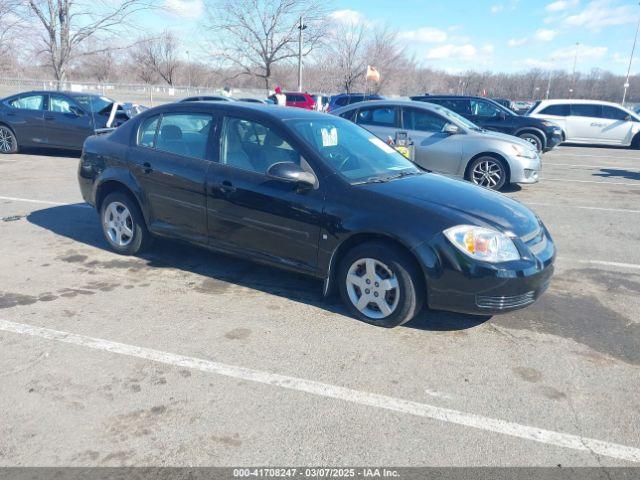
x=633 y=266
x=580 y=207
x=580 y=165
x=587 y=155
x=374 y=400
x=589 y=181
x=43 y=202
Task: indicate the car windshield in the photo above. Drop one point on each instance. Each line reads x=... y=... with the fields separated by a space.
x=352 y=151
x=453 y=117
x=93 y=103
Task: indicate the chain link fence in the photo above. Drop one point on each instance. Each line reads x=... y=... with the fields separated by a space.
x=149 y=95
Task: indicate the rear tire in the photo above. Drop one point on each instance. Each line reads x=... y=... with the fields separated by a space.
x=123 y=224
x=381 y=284
x=533 y=139
x=489 y=172
x=8 y=140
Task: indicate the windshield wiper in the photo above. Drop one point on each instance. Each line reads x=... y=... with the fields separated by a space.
x=388 y=177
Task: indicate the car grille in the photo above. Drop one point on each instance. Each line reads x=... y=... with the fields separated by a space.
x=502 y=303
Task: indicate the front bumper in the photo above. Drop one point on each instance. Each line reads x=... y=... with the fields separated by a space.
x=524 y=170
x=554 y=138
x=460 y=284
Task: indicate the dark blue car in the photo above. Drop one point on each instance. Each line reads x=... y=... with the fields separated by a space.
x=344 y=99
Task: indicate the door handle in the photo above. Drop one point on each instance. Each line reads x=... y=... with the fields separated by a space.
x=146 y=167
x=227 y=187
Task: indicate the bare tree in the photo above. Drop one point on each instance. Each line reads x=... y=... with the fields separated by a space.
x=157 y=57
x=9 y=23
x=346 y=53
x=66 y=25
x=252 y=36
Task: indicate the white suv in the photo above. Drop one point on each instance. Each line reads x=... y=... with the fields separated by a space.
x=591 y=121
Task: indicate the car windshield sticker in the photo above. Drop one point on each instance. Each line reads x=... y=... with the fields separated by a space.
x=329 y=137
x=381 y=145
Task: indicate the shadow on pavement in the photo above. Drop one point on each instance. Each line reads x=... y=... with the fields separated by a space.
x=50 y=152
x=80 y=223
x=618 y=173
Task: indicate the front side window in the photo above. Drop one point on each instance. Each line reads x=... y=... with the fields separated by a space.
x=422 y=120
x=379 y=116
x=184 y=134
x=93 y=103
x=253 y=146
x=613 y=113
x=586 y=110
x=147 y=132
x=557 y=110
x=59 y=104
x=459 y=106
x=352 y=151
x=28 y=102
x=482 y=108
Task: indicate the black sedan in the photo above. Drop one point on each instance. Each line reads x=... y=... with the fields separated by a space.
x=54 y=119
x=315 y=194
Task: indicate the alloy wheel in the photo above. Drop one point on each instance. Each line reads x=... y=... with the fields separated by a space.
x=487 y=173
x=6 y=140
x=373 y=288
x=118 y=224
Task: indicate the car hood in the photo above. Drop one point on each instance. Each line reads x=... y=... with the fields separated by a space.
x=458 y=202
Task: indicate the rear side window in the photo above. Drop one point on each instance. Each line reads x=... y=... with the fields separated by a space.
x=557 y=110
x=586 y=110
x=379 y=116
x=463 y=107
x=350 y=115
x=482 y=108
x=356 y=98
x=147 y=132
x=342 y=101
x=184 y=134
x=613 y=113
x=28 y=102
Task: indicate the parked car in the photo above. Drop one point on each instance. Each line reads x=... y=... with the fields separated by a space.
x=447 y=143
x=57 y=119
x=521 y=106
x=318 y=195
x=344 y=99
x=591 y=121
x=505 y=103
x=542 y=134
x=297 y=99
x=208 y=98
x=252 y=100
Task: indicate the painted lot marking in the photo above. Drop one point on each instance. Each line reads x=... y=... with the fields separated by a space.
x=581 y=165
x=561 y=153
x=590 y=181
x=567 y=206
x=549 y=437
x=633 y=266
x=43 y=202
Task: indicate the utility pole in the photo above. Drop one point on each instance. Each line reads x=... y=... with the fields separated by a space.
x=575 y=62
x=301 y=27
x=549 y=81
x=626 y=83
x=188 y=71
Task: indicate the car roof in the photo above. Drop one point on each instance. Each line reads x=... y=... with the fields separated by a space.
x=261 y=109
x=576 y=101
x=388 y=103
x=63 y=92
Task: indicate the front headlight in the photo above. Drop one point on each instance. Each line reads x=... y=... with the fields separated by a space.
x=482 y=243
x=525 y=152
x=547 y=123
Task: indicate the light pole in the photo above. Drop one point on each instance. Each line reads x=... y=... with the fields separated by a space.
x=626 y=83
x=575 y=63
x=301 y=27
x=549 y=81
x=188 y=71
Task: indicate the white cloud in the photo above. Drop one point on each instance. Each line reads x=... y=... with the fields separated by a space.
x=425 y=35
x=347 y=16
x=189 y=9
x=488 y=48
x=536 y=63
x=561 y=5
x=545 y=35
x=450 y=51
x=497 y=8
x=584 y=52
x=517 y=42
x=602 y=13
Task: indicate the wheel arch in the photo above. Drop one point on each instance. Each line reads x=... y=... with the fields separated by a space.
x=494 y=155
x=113 y=185
x=535 y=131
x=358 y=239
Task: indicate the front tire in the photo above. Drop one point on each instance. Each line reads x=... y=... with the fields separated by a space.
x=123 y=224
x=8 y=140
x=533 y=139
x=381 y=284
x=488 y=172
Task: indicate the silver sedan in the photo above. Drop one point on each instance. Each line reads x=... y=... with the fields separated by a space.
x=444 y=142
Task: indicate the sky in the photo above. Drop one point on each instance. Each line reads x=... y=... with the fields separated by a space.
x=497 y=35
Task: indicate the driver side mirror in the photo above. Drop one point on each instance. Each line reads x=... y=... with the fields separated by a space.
x=502 y=116
x=451 y=129
x=292 y=172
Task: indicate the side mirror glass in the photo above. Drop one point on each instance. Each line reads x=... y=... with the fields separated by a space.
x=292 y=172
x=451 y=129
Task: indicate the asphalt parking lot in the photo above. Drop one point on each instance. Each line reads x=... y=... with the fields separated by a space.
x=186 y=357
